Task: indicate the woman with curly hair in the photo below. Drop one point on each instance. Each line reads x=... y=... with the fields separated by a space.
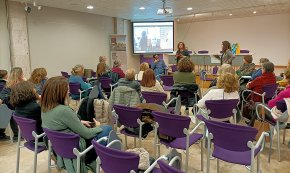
x=38 y=78
x=185 y=74
x=24 y=98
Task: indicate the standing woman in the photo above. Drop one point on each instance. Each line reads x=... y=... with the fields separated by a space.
x=227 y=55
x=181 y=52
x=158 y=66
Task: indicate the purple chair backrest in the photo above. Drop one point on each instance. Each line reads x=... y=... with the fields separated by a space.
x=63 y=143
x=93 y=73
x=105 y=82
x=281 y=105
x=230 y=136
x=64 y=74
x=26 y=126
x=270 y=90
x=116 y=161
x=167 y=80
x=165 y=168
x=202 y=52
x=221 y=108
x=174 y=68
x=128 y=115
x=202 y=75
x=154 y=97
x=170 y=124
x=74 y=88
x=215 y=70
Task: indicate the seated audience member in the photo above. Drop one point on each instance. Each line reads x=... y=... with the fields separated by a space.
x=129 y=80
x=268 y=77
x=282 y=94
x=117 y=69
x=16 y=76
x=76 y=77
x=158 y=66
x=144 y=66
x=3 y=77
x=103 y=59
x=149 y=82
x=227 y=88
x=185 y=74
x=247 y=68
x=38 y=78
x=258 y=72
x=101 y=70
x=24 y=98
x=58 y=116
x=225 y=68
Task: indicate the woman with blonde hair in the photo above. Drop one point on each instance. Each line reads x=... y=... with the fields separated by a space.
x=38 y=78
x=16 y=76
x=144 y=66
x=149 y=82
x=77 y=74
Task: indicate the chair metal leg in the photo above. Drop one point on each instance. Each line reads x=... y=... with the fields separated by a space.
x=217 y=165
x=35 y=155
x=18 y=150
x=284 y=134
x=201 y=154
x=49 y=157
x=134 y=142
x=98 y=168
x=78 y=164
x=10 y=133
x=186 y=161
x=271 y=141
x=278 y=140
x=258 y=163
x=126 y=141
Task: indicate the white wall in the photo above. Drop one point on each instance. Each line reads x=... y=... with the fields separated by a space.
x=4 y=39
x=265 y=36
x=60 y=39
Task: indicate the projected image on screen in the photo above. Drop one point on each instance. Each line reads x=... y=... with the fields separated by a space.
x=153 y=37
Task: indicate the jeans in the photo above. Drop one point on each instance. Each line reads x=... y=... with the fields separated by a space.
x=105 y=132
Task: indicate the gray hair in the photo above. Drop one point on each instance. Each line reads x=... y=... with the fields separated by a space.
x=117 y=63
x=263 y=60
x=226 y=68
x=269 y=67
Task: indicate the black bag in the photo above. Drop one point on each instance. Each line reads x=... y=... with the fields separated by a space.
x=146 y=128
x=165 y=138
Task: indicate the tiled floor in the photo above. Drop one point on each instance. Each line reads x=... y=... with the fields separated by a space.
x=8 y=158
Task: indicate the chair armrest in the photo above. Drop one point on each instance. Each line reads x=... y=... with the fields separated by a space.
x=257 y=110
x=170 y=101
x=246 y=77
x=151 y=167
x=115 y=142
x=174 y=159
x=185 y=131
x=80 y=154
x=260 y=142
x=36 y=136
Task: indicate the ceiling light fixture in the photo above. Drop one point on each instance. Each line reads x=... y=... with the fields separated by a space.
x=142 y=8
x=90 y=7
x=189 y=8
x=230 y=14
x=254 y=12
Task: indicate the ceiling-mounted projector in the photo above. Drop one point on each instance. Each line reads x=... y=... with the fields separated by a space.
x=164 y=11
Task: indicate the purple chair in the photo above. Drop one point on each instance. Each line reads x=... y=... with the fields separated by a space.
x=106 y=85
x=65 y=145
x=165 y=168
x=65 y=74
x=154 y=97
x=220 y=109
x=215 y=70
x=183 y=137
x=233 y=143
x=202 y=76
x=167 y=82
x=75 y=89
x=174 y=68
x=130 y=117
x=115 y=161
x=27 y=129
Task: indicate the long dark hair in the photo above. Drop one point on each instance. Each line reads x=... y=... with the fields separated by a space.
x=226 y=46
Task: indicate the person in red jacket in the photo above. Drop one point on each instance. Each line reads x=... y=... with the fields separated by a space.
x=268 y=77
x=116 y=69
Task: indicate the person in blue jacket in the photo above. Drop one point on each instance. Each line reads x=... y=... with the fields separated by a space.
x=158 y=66
x=258 y=72
x=77 y=74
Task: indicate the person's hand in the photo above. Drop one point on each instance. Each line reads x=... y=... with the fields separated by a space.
x=247 y=86
x=1 y=101
x=86 y=123
x=97 y=123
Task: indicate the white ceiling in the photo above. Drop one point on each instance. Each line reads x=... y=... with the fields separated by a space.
x=202 y=9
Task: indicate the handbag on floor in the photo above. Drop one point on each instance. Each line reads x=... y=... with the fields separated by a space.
x=262 y=126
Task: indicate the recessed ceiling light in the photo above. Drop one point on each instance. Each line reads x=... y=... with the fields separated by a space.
x=254 y=12
x=142 y=8
x=189 y=8
x=90 y=7
x=230 y=14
